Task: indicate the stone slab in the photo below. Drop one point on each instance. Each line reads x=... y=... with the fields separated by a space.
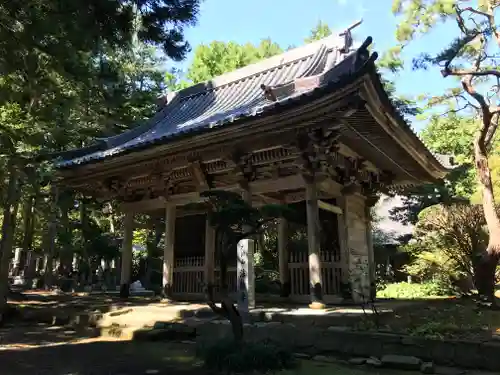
x=401 y=362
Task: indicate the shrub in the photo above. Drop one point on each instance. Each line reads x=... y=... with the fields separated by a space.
x=447 y=242
x=225 y=356
x=413 y=290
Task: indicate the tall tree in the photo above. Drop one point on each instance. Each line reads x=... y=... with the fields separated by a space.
x=470 y=56
x=320 y=31
x=53 y=74
x=219 y=57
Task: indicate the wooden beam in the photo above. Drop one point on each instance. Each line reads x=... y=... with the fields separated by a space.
x=258 y=188
x=144 y=205
x=329 y=207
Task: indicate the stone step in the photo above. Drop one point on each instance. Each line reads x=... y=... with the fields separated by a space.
x=54 y=317
x=162 y=331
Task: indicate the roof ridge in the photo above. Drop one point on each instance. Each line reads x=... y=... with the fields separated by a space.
x=274 y=62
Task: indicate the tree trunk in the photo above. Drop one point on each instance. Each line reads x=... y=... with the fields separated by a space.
x=485 y=278
x=227 y=309
x=67 y=251
x=11 y=207
x=29 y=224
x=51 y=239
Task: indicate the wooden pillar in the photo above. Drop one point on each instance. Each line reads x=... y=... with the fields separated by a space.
x=209 y=253
x=126 y=267
x=245 y=268
x=168 y=252
x=283 y=257
x=344 y=248
x=313 y=242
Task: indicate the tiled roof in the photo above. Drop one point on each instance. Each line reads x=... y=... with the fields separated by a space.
x=299 y=74
x=226 y=98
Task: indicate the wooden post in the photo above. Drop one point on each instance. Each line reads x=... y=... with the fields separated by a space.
x=245 y=268
x=209 y=253
x=344 y=248
x=168 y=252
x=313 y=245
x=126 y=267
x=283 y=257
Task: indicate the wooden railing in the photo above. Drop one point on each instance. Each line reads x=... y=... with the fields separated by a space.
x=331 y=273
x=189 y=276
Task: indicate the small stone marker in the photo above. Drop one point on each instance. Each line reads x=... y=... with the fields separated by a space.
x=401 y=362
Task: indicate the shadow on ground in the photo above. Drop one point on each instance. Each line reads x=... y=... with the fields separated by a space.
x=25 y=336
x=100 y=358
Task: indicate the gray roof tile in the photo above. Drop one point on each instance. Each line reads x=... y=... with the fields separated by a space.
x=293 y=75
x=226 y=98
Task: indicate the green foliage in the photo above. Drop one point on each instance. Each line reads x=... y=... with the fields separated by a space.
x=447 y=243
x=435 y=330
x=55 y=30
x=405 y=290
x=320 y=31
x=451 y=135
x=225 y=356
x=218 y=58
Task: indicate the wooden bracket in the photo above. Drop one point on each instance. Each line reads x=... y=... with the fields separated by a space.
x=317 y=148
x=200 y=177
x=242 y=167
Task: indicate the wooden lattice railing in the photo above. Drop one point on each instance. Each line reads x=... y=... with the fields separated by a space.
x=189 y=275
x=331 y=273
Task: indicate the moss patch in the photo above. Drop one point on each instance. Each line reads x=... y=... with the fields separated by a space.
x=440 y=319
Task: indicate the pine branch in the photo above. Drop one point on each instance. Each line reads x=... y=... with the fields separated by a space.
x=491 y=20
x=463 y=72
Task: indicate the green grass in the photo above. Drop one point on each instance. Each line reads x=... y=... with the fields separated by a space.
x=320 y=368
x=182 y=356
x=410 y=291
x=453 y=318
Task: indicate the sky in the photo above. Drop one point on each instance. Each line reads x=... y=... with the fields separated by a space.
x=288 y=22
